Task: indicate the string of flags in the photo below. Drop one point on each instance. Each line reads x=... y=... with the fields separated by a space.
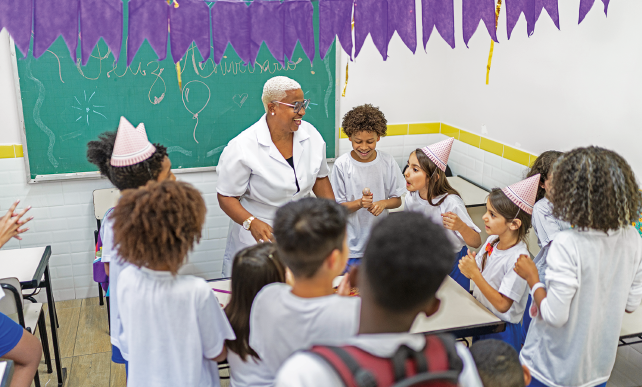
x=247 y=24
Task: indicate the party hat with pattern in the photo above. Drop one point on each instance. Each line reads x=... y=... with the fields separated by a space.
x=439 y=152
x=131 y=146
x=523 y=194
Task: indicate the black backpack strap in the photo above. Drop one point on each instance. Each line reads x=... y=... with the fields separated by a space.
x=449 y=342
x=400 y=358
x=361 y=377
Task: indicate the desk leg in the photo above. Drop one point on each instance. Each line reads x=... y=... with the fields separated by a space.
x=62 y=372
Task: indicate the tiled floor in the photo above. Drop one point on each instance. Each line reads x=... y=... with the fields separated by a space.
x=86 y=352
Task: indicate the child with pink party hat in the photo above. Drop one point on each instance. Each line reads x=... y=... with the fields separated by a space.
x=432 y=195
x=129 y=160
x=497 y=286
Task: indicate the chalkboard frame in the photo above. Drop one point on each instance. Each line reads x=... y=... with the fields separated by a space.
x=96 y=174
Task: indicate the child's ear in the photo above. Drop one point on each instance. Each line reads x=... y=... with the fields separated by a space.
x=378 y=138
x=527 y=375
x=432 y=307
x=334 y=260
x=515 y=224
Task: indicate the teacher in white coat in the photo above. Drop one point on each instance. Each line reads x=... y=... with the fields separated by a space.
x=278 y=159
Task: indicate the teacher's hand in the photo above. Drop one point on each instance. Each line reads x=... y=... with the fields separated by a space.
x=10 y=224
x=261 y=231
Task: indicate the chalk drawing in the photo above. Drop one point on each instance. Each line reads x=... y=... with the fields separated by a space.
x=240 y=99
x=328 y=91
x=59 y=69
x=36 y=116
x=215 y=151
x=87 y=107
x=157 y=100
x=195 y=115
x=180 y=150
x=71 y=135
x=315 y=104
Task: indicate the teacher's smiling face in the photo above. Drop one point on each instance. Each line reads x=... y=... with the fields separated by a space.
x=285 y=117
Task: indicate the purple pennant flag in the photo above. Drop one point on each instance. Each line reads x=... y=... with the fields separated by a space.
x=371 y=17
x=100 y=18
x=231 y=23
x=514 y=8
x=54 y=18
x=441 y=15
x=551 y=8
x=266 y=18
x=298 y=27
x=15 y=16
x=403 y=19
x=586 y=5
x=475 y=10
x=188 y=23
x=148 y=19
x=335 y=18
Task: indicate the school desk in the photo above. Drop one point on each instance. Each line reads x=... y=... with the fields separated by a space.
x=6 y=373
x=472 y=194
x=29 y=266
x=631 y=327
x=460 y=313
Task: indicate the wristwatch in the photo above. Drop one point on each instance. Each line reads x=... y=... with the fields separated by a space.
x=248 y=222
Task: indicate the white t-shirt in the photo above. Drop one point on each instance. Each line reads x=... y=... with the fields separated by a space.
x=592 y=277
x=500 y=274
x=110 y=255
x=246 y=373
x=349 y=177
x=452 y=203
x=171 y=327
x=308 y=370
x=282 y=323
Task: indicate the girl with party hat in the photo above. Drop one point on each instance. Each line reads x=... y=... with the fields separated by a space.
x=432 y=195
x=497 y=286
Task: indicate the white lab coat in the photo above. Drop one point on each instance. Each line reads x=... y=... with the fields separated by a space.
x=252 y=168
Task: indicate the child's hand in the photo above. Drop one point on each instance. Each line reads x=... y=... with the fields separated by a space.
x=344 y=286
x=468 y=266
x=525 y=268
x=366 y=201
x=377 y=208
x=452 y=221
x=11 y=222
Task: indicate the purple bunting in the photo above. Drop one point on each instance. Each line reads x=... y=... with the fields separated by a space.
x=15 y=16
x=266 y=18
x=148 y=19
x=371 y=17
x=586 y=5
x=231 y=23
x=514 y=8
x=441 y=15
x=54 y=18
x=551 y=8
x=403 y=19
x=188 y=23
x=335 y=19
x=297 y=16
x=475 y=10
x=100 y=18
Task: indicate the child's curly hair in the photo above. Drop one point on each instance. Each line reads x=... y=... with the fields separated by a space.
x=132 y=176
x=364 y=118
x=595 y=188
x=543 y=165
x=158 y=224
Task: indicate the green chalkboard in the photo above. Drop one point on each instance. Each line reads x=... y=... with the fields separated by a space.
x=65 y=105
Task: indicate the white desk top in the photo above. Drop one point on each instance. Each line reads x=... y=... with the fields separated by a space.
x=20 y=263
x=632 y=323
x=470 y=193
x=221 y=289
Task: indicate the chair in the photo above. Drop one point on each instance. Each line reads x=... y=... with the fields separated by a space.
x=28 y=315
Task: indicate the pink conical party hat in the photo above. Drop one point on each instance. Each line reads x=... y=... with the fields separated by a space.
x=131 y=145
x=523 y=194
x=439 y=152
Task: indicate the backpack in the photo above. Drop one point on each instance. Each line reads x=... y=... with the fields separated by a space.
x=100 y=275
x=437 y=365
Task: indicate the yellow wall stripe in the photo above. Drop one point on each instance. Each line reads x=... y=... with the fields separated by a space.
x=492 y=146
x=397 y=130
x=516 y=155
x=469 y=138
x=426 y=128
x=450 y=131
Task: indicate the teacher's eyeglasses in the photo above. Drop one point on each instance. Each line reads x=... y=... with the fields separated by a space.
x=298 y=105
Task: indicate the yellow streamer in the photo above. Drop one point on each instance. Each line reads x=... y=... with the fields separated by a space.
x=347 y=64
x=178 y=64
x=492 y=43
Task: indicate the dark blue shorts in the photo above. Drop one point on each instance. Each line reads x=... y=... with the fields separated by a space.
x=10 y=334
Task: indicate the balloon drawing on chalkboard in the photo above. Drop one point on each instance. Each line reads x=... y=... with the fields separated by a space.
x=186 y=102
x=87 y=108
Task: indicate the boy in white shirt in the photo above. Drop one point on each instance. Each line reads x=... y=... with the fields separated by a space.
x=365 y=167
x=405 y=262
x=311 y=242
x=173 y=329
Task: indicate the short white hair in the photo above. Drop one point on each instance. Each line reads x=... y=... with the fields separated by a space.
x=275 y=89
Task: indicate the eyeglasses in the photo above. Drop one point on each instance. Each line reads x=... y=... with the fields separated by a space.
x=298 y=105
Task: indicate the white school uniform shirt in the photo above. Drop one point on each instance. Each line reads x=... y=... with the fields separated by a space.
x=246 y=373
x=452 y=203
x=308 y=370
x=171 y=327
x=500 y=274
x=282 y=323
x=252 y=168
x=592 y=277
x=349 y=177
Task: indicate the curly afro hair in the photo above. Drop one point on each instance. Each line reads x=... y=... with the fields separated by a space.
x=595 y=188
x=132 y=176
x=543 y=165
x=364 y=118
x=158 y=224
